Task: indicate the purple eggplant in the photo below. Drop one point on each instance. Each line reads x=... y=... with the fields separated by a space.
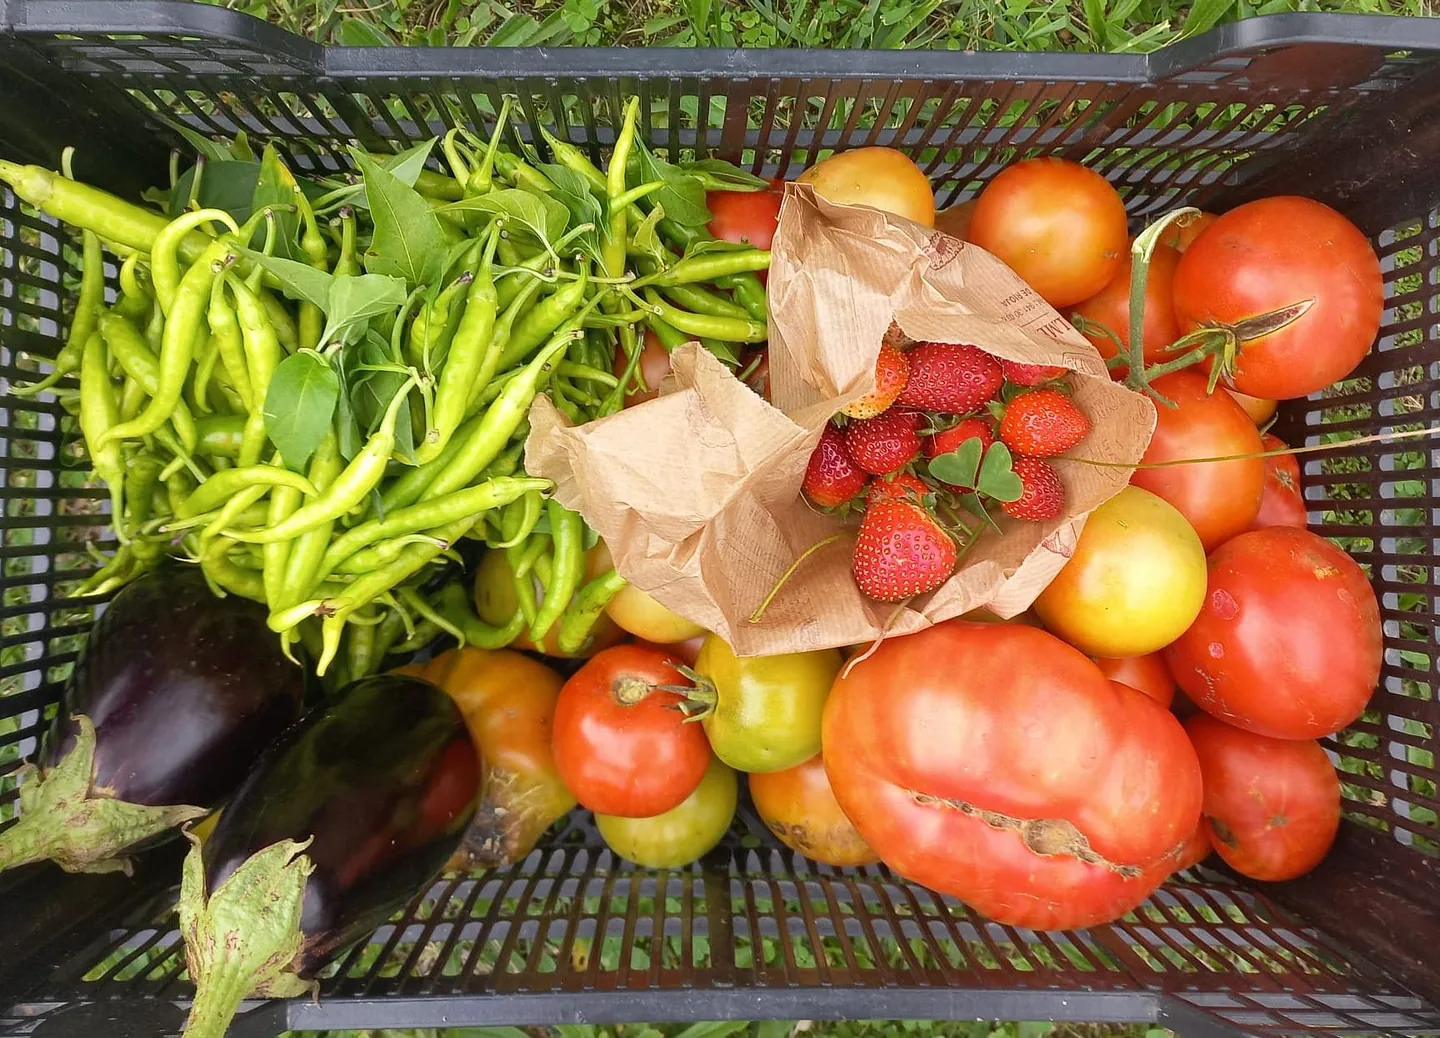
x=345 y=818
x=176 y=695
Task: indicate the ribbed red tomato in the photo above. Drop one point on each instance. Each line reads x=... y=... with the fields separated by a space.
x=1272 y=806
x=1288 y=643
x=997 y=764
x=1279 y=256
x=1220 y=498
x=1283 y=502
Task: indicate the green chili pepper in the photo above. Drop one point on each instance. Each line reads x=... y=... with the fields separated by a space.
x=347 y=263
x=567 y=533
x=493 y=432
x=749 y=292
x=142 y=472
x=258 y=333
x=206 y=355
x=541 y=322
x=218 y=436
x=455 y=609
x=407 y=488
x=275 y=556
x=482 y=177
x=286 y=331
x=471 y=501
x=427 y=330
x=143 y=368
x=519 y=520
x=302 y=568
x=585 y=610
x=87 y=304
x=574 y=159
x=726 y=329
x=99 y=412
x=710 y=266
x=512 y=282
x=700 y=301
x=134 y=301
x=225 y=575
x=181 y=328
x=230 y=344
x=350 y=488
x=360 y=657
x=520 y=173
x=223 y=485
x=164 y=261
x=312 y=243
x=472 y=351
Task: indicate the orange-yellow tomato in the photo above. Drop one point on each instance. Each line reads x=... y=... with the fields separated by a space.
x=798 y=806
x=881 y=178
x=640 y=614
x=1135 y=582
x=1258 y=408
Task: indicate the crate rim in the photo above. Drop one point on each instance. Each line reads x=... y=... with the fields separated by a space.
x=135 y=18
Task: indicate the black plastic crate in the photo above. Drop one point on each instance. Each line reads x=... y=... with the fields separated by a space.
x=1336 y=107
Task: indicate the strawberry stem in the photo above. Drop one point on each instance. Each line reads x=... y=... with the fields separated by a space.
x=785 y=577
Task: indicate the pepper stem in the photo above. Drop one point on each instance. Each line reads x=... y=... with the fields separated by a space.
x=245 y=937
x=63 y=819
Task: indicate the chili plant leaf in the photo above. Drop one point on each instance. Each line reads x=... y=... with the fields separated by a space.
x=408 y=241
x=223 y=185
x=406 y=165
x=347 y=432
x=959 y=467
x=683 y=195
x=647 y=241
x=719 y=175
x=543 y=216
x=573 y=192
x=212 y=151
x=276 y=186
x=376 y=383
x=354 y=300
x=299 y=405
x=997 y=476
x=298 y=280
x=240 y=150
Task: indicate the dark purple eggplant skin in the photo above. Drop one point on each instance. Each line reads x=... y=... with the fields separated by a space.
x=185 y=691
x=383 y=781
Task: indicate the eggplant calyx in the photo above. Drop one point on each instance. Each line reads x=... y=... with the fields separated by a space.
x=245 y=936
x=64 y=819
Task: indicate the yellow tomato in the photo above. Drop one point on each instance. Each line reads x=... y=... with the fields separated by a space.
x=642 y=616
x=1258 y=408
x=683 y=833
x=1135 y=583
x=881 y=178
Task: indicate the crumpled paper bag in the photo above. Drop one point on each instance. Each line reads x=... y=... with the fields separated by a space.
x=698 y=495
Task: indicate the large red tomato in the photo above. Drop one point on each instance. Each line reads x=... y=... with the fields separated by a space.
x=1288 y=643
x=1277 y=255
x=744 y=216
x=1058 y=225
x=1283 y=503
x=1272 y=806
x=1111 y=307
x=1220 y=498
x=995 y=763
x=621 y=745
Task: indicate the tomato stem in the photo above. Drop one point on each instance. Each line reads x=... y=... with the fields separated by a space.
x=1141 y=253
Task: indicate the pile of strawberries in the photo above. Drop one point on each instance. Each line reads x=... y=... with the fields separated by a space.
x=948 y=432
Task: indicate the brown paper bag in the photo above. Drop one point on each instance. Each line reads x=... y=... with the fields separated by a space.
x=698 y=492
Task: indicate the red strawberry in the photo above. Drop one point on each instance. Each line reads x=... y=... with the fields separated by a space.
x=1042 y=423
x=1044 y=494
x=946 y=440
x=901 y=551
x=902 y=486
x=831 y=478
x=883 y=444
x=891 y=372
x=1032 y=374
x=955 y=379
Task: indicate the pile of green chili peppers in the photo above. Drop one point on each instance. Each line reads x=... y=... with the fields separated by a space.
x=174 y=372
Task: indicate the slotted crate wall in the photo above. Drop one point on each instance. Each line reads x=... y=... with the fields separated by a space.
x=1330 y=106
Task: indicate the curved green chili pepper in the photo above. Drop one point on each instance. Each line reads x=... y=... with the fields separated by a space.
x=87 y=308
x=585 y=610
x=698 y=300
x=302 y=568
x=517 y=523
x=142 y=367
x=206 y=355
x=230 y=344
x=567 y=535
x=99 y=411
x=165 y=263
x=749 y=292
x=454 y=607
x=218 y=436
x=225 y=574
x=134 y=301
x=575 y=160
x=727 y=329
x=710 y=266
x=181 y=329
x=224 y=485
x=540 y=323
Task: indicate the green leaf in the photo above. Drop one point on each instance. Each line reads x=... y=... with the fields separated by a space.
x=683 y=195
x=485 y=1032
x=959 y=467
x=224 y=185
x=774 y=1028
x=354 y=32
x=648 y=241
x=997 y=477
x=1034 y=1028
x=376 y=383
x=353 y=300
x=719 y=175
x=408 y=241
x=576 y=1030
x=543 y=216
x=276 y=186
x=212 y=151
x=240 y=150
x=347 y=432
x=299 y=405
x=1204 y=14
x=298 y=280
x=573 y=192
x=714 y=1029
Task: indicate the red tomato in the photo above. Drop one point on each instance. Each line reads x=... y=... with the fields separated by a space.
x=1266 y=256
x=1271 y=806
x=799 y=807
x=622 y=747
x=1146 y=674
x=995 y=763
x=744 y=216
x=1288 y=643
x=1058 y=225
x=1197 y=848
x=1111 y=308
x=1220 y=498
x=654 y=366
x=1283 y=503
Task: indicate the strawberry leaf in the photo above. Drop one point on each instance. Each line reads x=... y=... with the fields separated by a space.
x=958 y=467
x=997 y=476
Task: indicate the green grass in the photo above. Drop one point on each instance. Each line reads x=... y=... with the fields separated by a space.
x=1093 y=25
